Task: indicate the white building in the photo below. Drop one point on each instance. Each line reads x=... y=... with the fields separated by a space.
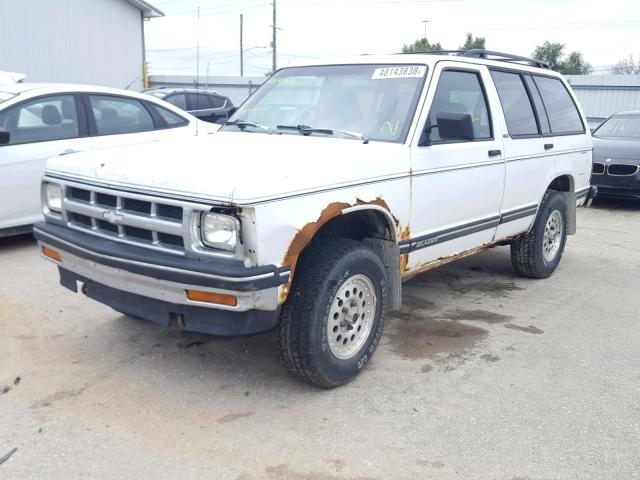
x=604 y=95
x=99 y=42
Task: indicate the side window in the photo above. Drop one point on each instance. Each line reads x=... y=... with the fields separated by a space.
x=179 y=100
x=198 y=101
x=461 y=92
x=517 y=108
x=42 y=120
x=563 y=114
x=118 y=115
x=216 y=101
x=172 y=119
x=537 y=102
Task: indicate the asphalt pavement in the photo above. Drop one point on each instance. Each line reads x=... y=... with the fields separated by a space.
x=482 y=375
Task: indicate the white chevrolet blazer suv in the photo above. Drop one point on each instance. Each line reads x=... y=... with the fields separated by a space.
x=328 y=187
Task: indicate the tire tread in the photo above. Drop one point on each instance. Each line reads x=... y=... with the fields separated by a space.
x=311 y=273
x=523 y=249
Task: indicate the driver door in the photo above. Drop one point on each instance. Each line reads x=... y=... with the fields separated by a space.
x=457 y=183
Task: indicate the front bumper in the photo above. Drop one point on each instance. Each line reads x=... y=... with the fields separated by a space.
x=616 y=186
x=153 y=286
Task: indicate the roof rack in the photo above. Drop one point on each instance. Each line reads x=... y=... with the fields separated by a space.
x=489 y=55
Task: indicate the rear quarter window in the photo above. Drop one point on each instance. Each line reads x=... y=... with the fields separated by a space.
x=562 y=112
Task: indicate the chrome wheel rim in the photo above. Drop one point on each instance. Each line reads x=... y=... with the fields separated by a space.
x=552 y=238
x=351 y=317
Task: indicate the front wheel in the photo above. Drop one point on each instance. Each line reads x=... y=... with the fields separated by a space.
x=538 y=253
x=333 y=318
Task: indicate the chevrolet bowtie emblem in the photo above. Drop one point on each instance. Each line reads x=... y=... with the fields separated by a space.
x=112 y=216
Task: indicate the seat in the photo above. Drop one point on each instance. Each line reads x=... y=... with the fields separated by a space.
x=51 y=116
x=108 y=122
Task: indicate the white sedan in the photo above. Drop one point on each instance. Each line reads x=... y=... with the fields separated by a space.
x=40 y=121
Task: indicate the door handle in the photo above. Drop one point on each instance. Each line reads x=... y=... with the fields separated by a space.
x=548 y=146
x=67 y=152
x=495 y=153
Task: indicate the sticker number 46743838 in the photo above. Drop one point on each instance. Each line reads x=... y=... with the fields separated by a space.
x=398 y=71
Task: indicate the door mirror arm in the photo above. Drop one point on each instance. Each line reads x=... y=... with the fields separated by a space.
x=425 y=137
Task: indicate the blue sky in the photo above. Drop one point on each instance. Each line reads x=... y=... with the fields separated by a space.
x=312 y=29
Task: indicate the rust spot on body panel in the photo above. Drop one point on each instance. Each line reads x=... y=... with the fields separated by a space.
x=405 y=234
x=423 y=267
x=307 y=232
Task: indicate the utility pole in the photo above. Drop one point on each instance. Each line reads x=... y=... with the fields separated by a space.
x=241 y=52
x=425 y=27
x=273 y=41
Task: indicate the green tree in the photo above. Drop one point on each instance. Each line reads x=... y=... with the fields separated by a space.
x=473 y=42
x=553 y=54
x=421 y=45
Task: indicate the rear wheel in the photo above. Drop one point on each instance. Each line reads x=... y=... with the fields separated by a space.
x=538 y=253
x=333 y=318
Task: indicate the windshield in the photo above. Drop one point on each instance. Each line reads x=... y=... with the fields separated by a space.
x=374 y=101
x=4 y=96
x=620 y=126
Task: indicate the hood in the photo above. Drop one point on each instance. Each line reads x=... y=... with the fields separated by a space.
x=238 y=167
x=616 y=149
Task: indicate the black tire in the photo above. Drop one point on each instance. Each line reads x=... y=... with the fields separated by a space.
x=322 y=271
x=527 y=251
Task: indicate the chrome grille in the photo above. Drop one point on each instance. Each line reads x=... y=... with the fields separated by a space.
x=132 y=218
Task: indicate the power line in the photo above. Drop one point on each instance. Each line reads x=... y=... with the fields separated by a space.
x=364 y=2
x=221 y=9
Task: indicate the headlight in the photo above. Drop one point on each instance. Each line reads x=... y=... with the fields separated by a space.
x=53 y=197
x=219 y=231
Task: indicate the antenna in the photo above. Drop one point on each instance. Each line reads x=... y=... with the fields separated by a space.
x=198 y=70
x=273 y=41
x=241 y=53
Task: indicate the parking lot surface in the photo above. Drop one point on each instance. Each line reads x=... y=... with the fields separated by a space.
x=482 y=375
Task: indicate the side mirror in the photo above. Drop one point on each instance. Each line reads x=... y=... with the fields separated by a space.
x=455 y=126
x=231 y=112
x=451 y=126
x=5 y=136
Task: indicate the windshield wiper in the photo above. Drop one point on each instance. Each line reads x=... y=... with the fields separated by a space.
x=242 y=124
x=307 y=130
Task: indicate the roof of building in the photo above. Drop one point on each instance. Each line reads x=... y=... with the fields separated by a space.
x=148 y=10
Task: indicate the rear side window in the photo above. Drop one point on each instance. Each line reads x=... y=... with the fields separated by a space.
x=117 y=115
x=179 y=100
x=461 y=92
x=563 y=114
x=172 y=119
x=217 y=101
x=199 y=101
x=517 y=108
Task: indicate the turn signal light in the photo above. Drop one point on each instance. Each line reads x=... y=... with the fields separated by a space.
x=52 y=254
x=210 y=297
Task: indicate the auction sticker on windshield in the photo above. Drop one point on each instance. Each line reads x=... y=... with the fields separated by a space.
x=399 y=71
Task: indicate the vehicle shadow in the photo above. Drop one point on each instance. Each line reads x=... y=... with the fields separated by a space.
x=254 y=362
x=215 y=363
x=16 y=242
x=623 y=204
